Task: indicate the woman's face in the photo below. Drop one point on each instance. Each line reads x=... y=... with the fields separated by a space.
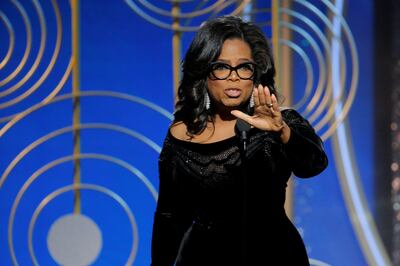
x=232 y=91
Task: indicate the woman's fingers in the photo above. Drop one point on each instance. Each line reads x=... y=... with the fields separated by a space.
x=255 y=97
x=267 y=95
x=261 y=95
x=274 y=102
x=267 y=111
x=243 y=116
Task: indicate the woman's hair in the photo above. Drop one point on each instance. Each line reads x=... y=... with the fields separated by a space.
x=205 y=49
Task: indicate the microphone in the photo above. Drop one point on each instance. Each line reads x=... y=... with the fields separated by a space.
x=241 y=128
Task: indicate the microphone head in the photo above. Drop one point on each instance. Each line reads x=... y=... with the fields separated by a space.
x=242 y=125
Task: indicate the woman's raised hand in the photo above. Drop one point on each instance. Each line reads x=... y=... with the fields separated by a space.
x=267 y=115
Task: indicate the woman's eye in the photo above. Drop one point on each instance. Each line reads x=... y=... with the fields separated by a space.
x=220 y=67
x=247 y=67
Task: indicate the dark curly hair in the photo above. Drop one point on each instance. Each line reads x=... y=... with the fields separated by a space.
x=205 y=49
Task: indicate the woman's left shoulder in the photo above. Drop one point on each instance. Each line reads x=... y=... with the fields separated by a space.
x=290 y=114
x=294 y=119
x=287 y=110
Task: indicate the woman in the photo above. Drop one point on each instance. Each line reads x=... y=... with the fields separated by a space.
x=218 y=205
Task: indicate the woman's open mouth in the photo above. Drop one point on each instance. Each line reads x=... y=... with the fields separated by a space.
x=233 y=92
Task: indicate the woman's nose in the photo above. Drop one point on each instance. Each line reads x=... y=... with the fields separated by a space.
x=233 y=75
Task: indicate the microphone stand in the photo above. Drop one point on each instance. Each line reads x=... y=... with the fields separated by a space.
x=243 y=147
x=243 y=127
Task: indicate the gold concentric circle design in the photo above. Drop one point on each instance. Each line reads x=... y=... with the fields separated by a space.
x=45 y=201
x=15 y=84
x=52 y=136
x=103 y=190
x=28 y=45
x=154 y=14
x=319 y=102
x=92 y=126
x=332 y=56
x=92 y=93
x=11 y=42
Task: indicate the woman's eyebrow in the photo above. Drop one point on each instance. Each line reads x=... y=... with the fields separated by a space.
x=241 y=60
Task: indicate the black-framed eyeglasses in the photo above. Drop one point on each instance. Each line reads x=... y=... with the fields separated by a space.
x=221 y=71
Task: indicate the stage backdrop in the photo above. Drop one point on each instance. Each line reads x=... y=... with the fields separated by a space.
x=86 y=97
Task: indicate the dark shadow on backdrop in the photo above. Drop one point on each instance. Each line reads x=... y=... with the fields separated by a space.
x=387 y=94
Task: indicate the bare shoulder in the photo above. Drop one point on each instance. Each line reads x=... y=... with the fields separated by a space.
x=178 y=130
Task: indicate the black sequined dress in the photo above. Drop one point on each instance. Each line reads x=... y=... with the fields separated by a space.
x=204 y=215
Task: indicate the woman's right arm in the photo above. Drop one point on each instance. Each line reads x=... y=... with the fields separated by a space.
x=169 y=225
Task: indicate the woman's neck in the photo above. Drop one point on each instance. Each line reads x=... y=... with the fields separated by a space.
x=225 y=117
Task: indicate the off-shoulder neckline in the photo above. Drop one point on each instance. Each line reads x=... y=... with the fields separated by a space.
x=185 y=142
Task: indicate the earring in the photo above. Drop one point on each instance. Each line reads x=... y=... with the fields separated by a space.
x=251 y=102
x=207 y=101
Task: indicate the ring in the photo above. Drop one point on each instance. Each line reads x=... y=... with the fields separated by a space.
x=270 y=105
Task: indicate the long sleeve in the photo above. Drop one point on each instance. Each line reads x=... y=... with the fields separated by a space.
x=168 y=227
x=304 y=149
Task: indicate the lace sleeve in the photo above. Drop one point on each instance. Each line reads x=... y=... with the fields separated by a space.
x=304 y=149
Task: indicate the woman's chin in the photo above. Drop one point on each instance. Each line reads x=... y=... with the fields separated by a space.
x=233 y=102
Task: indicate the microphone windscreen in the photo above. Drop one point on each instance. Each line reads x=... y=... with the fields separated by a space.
x=242 y=125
